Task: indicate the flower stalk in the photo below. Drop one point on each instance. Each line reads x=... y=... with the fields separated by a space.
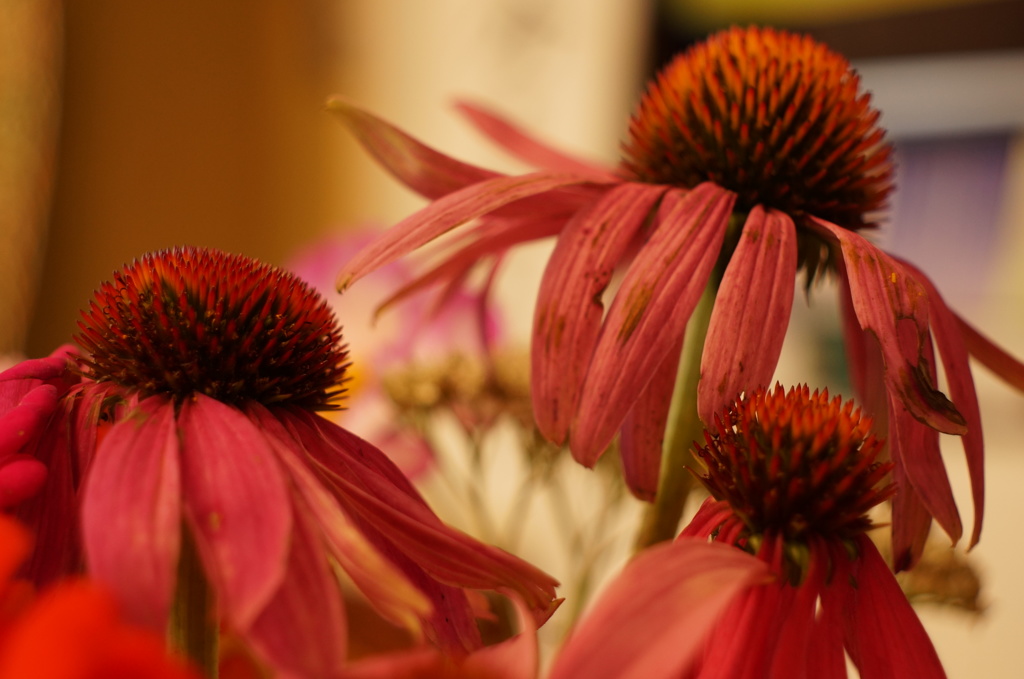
x=193 y=628
x=661 y=519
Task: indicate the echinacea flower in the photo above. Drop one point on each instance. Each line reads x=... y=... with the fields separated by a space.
x=792 y=475
x=209 y=369
x=72 y=629
x=753 y=155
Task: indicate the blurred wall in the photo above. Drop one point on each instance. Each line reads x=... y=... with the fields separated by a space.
x=187 y=122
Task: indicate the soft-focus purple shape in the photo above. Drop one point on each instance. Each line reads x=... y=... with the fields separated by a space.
x=652 y=620
x=131 y=512
x=648 y=316
x=751 y=312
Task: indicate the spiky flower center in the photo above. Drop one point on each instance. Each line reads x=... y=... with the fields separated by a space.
x=777 y=118
x=190 y=320
x=795 y=465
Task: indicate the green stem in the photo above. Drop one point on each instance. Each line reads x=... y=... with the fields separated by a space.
x=193 y=628
x=661 y=519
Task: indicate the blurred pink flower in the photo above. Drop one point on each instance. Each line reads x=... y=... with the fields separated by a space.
x=202 y=372
x=791 y=475
x=47 y=439
x=753 y=155
x=409 y=333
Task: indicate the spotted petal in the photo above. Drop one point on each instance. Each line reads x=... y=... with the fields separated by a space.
x=884 y=637
x=892 y=304
x=949 y=337
x=131 y=512
x=748 y=323
x=649 y=314
x=567 y=318
x=237 y=505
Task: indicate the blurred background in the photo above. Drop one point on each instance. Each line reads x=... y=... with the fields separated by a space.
x=127 y=127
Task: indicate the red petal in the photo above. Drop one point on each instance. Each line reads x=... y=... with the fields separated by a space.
x=751 y=312
x=237 y=505
x=884 y=637
x=302 y=628
x=447 y=213
x=384 y=585
x=131 y=512
x=567 y=317
x=642 y=436
x=911 y=521
x=527 y=148
x=648 y=317
x=893 y=305
x=365 y=483
x=917 y=447
x=651 y=620
x=421 y=168
x=993 y=357
x=24 y=422
x=949 y=337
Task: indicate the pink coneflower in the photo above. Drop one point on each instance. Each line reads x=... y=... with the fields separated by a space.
x=752 y=155
x=410 y=334
x=792 y=475
x=210 y=368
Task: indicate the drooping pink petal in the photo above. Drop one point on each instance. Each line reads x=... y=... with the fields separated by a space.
x=525 y=147
x=237 y=506
x=567 y=317
x=383 y=584
x=950 y=341
x=498 y=238
x=421 y=168
x=751 y=313
x=653 y=618
x=23 y=423
x=794 y=649
x=917 y=447
x=911 y=521
x=883 y=635
x=394 y=517
x=447 y=213
x=52 y=367
x=649 y=314
x=642 y=436
x=52 y=514
x=302 y=629
x=893 y=305
x=743 y=646
x=992 y=356
x=131 y=512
